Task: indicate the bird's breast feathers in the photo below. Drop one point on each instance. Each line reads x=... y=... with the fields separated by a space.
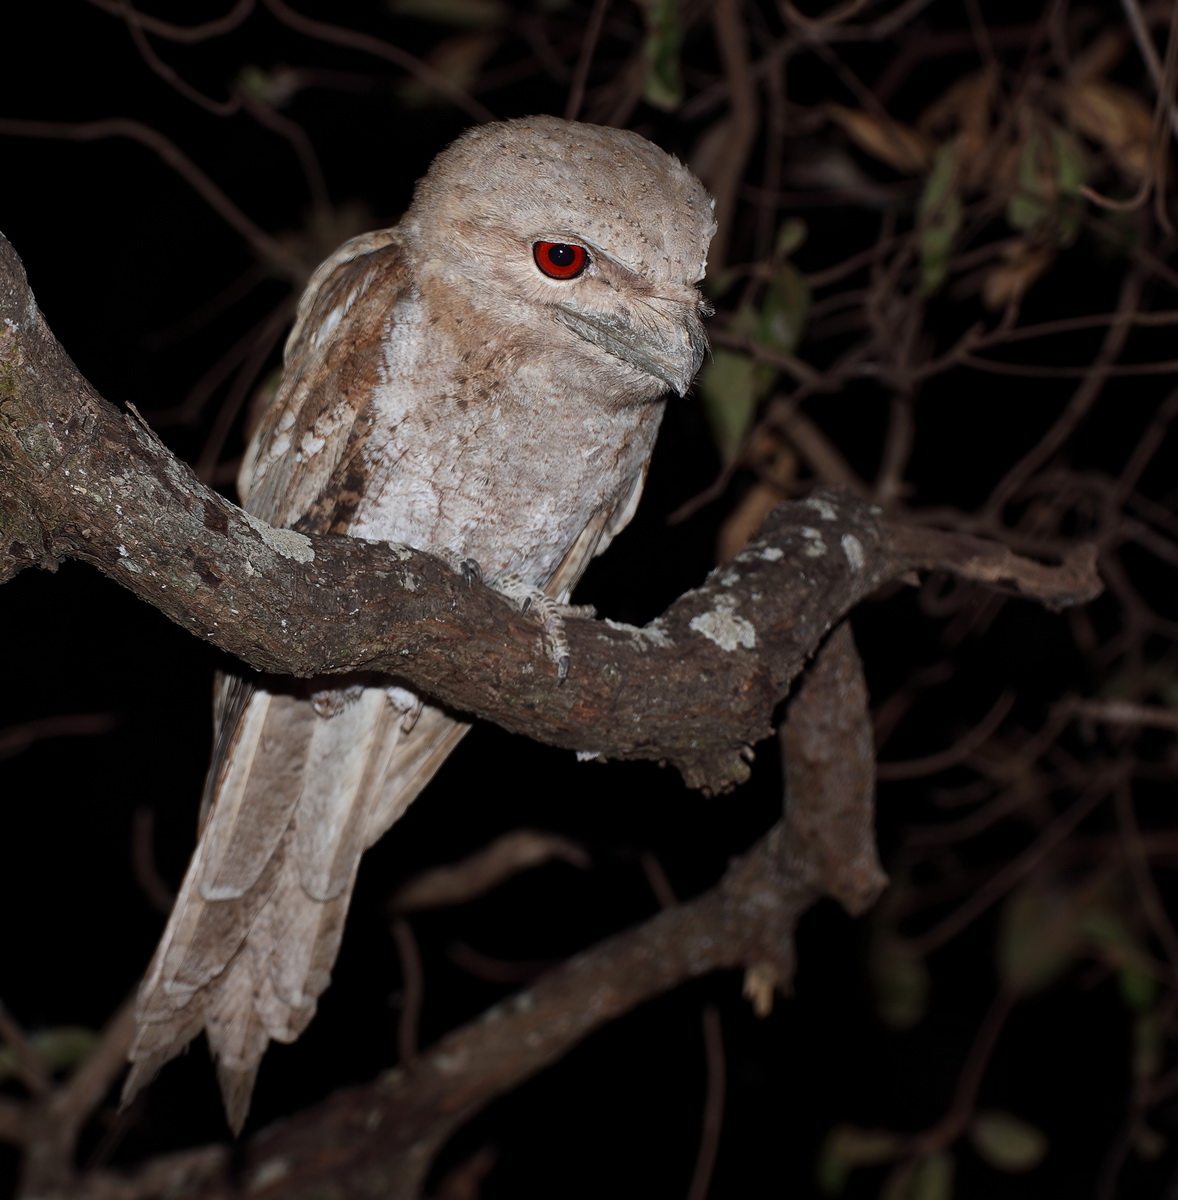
x=477 y=450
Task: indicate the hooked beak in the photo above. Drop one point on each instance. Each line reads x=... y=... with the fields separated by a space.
x=672 y=353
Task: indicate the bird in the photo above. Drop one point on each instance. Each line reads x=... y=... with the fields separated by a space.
x=483 y=381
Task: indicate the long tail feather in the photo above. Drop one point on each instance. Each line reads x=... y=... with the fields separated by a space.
x=255 y=931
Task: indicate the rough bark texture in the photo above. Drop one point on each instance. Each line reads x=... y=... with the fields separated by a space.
x=695 y=688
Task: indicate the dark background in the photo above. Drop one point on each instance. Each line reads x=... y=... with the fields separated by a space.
x=138 y=278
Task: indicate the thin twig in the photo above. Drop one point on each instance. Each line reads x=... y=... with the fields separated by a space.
x=713 y=1119
x=725 y=182
x=183 y=33
x=151 y=882
x=1124 y=712
x=412 y=991
x=296 y=135
x=16 y=739
x=247 y=378
x=134 y=22
x=338 y=35
x=1149 y=54
x=1003 y=879
x=267 y=248
x=30 y=1067
x=1152 y=903
x=914 y=768
x=965 y=1096
x=1083 y=400
x=585 y=59
x=713 y=1034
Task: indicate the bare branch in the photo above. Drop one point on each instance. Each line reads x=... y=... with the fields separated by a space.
x=331 y=1149
x=267 y=248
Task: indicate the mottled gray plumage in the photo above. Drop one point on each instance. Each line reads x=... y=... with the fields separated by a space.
x=443 y=391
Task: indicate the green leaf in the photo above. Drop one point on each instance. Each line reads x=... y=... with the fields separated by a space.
x=1006 y=1142
x=1167 y=689
x=784 y=310
x=901 y=982
x=1027 y=207
x=1149 y=1144
x=846 y=1147
x=1103 y=924
x=1149 y=1047
x=1052 y=170
x=1138 y=988
x=664 y=37
x=730 y=386
x=256 y=83
x=938 y=218
x=929 y=1179
x=790 y=236
x=779 y=321
x=1071 y=163
x=1071 y=173
x=60 y=1049
x=459 y=58
x=1040 y=935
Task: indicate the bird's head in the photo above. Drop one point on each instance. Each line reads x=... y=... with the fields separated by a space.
x=593 y=239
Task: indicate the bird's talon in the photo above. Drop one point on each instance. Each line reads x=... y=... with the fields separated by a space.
x=548 y=613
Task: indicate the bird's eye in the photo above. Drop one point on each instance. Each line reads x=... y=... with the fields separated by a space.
x=560 y=260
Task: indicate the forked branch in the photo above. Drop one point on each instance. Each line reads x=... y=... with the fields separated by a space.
x=696 y=688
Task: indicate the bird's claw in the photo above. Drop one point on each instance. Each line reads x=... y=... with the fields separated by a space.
x=550 y=613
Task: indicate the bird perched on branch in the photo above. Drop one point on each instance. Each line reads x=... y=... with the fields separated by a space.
x=483 y=381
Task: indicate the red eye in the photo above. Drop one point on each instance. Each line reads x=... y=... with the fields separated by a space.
x=560 y=260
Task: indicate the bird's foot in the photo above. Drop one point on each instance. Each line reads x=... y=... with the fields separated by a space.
x=460 y=564
x=330 y=702
x=407 y=704
x=551 y=615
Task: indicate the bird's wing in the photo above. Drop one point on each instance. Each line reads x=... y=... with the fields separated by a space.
x=295 y=470
x=293 y=797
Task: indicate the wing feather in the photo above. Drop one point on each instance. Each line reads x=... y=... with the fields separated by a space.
x=288 y=801
x=318 y=419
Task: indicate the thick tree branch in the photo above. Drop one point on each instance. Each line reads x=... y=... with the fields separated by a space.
x=696 y=688
x=381 y=1139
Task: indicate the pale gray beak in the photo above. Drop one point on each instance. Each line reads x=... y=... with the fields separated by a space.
x=672 y=354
